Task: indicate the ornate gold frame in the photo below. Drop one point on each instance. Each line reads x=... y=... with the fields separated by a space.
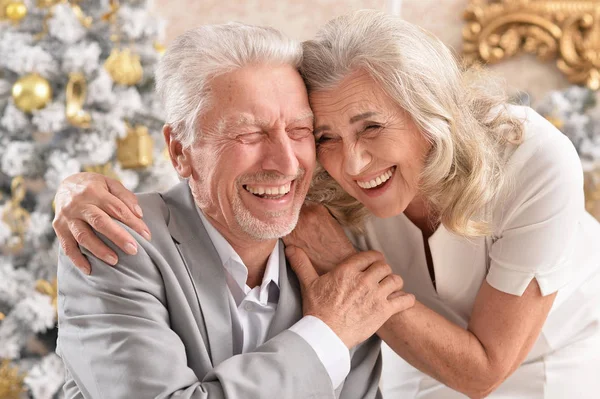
x=566 y=30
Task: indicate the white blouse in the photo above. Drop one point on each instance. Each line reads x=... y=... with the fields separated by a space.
x=540 y=230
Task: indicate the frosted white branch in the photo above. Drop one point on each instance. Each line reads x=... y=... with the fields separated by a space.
x=65 y=26
x=46 y=377
x=60 y=166
x=50 y=119
x=82 y=57
x=14 y=120
x=20 y=158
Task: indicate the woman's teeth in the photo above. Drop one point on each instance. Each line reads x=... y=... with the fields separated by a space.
x=274 y=192
x=378 y=181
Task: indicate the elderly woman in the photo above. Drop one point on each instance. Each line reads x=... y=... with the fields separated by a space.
x=477 y=204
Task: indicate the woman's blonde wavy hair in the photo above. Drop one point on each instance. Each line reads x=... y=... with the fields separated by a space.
x=461 y=112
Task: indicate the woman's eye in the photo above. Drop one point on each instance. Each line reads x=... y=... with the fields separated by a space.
x=323 y=139
x=371 y=130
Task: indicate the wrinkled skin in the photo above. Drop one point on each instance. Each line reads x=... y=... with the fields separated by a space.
x=321 y=237
x=360 y=293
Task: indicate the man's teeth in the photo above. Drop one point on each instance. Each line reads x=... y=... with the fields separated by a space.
x=260 y=190
x=379 y=180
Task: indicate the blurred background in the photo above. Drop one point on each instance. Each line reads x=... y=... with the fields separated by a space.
x=302 y=19
x=76 y=94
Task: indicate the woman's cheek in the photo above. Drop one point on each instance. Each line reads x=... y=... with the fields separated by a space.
x=329 y=160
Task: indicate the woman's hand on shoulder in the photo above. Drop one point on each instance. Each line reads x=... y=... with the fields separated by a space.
x=321 y=237
x=86 y=201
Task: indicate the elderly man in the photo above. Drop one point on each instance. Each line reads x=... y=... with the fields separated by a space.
x=203 y=305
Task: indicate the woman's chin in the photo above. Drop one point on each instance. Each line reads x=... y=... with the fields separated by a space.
x=382 y=211
x=391 y=204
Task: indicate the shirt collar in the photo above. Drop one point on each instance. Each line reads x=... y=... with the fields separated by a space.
x=235 y=266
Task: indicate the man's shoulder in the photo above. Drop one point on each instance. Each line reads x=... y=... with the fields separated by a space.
x=156 y=211
x=175 y=226
x=158 y=207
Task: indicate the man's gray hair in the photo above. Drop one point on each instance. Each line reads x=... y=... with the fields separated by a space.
x=196 y=57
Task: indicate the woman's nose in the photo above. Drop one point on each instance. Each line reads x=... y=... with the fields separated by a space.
x=356 y=159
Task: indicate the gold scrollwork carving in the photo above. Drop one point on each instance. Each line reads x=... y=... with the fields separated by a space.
x=565 y=30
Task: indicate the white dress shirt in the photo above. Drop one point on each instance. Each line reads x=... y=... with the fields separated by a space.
x=253 y=309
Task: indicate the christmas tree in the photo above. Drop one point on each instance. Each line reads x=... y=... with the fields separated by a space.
x=76 y=94
x=576 y=112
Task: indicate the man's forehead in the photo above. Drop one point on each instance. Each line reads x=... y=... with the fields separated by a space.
x=246 y=119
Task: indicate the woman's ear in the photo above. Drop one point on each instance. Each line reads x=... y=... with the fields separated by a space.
x=180 y=157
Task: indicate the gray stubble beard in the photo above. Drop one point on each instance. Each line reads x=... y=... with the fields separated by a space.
x=260 y=230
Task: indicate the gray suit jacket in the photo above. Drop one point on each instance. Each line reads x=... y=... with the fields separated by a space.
x=158 y=324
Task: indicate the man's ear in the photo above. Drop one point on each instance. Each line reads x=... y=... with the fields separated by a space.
x=180 y=157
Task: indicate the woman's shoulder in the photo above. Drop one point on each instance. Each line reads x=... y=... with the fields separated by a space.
x=538 y=133
x=542 y=145
x=543 y=169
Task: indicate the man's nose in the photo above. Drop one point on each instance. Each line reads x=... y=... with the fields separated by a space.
x=280 y=155
x=356 y=158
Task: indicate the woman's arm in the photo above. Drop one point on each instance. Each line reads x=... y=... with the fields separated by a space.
x=86 y=201
x=475 y=361
x=536 y=236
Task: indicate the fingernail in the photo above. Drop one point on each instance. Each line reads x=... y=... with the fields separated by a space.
x=111 y=260
x=86 y=271
x=138 y=210
x=289 y=251
x=130 y=248
x=146 y=234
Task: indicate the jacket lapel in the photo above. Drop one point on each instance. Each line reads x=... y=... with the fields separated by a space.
x=289 y=308
x=205 y=268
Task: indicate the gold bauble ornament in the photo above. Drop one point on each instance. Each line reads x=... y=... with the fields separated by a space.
x=136 y=149
x=31 y=92
x=124 y=67
x=16 y=217
x=75 y=93
x=11 y=381
x=14 y=11
x=2 y=316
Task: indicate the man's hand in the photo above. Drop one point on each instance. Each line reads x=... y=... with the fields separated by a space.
x=321 y=237
x=355 y=299
x=86 y=201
